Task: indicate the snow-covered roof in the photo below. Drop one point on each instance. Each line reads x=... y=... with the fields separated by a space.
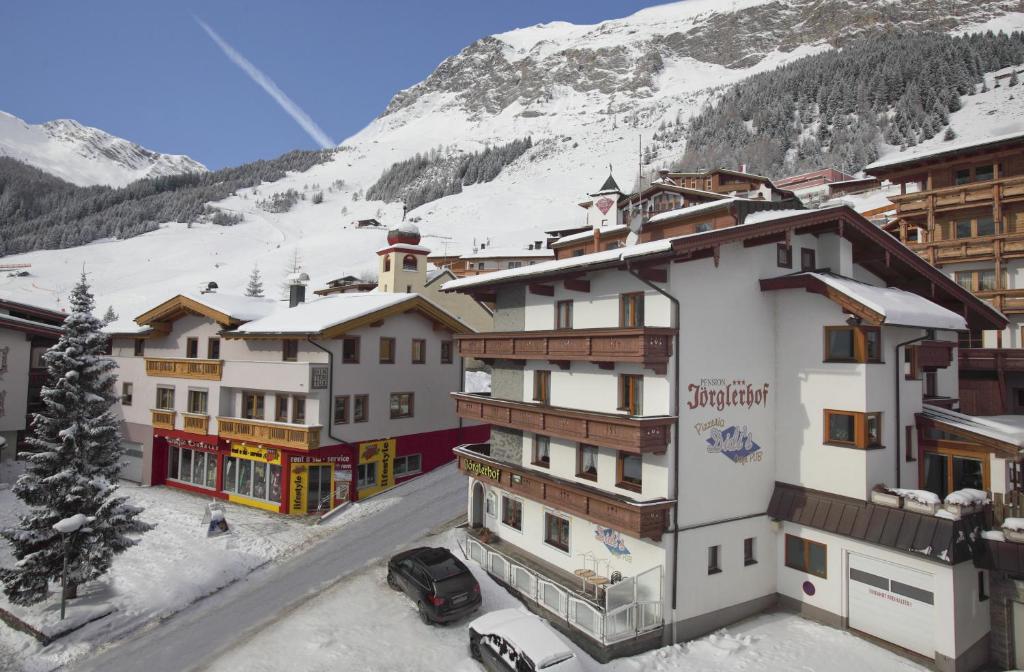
x=236 y=305
x=315 y=316
x=527 y=633
x=405 y=247
x=22 y=324
x=899 y=307
x=691 y=210
x=406 y=227
x=126 y=327
x=1004 y=428
x=584 y=235
x=911 y=156
x=510 y=253
x=771 y=215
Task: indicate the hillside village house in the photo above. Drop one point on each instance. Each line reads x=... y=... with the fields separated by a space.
x=961 y=207
x=486 y=259
x=690 y=429
x=26 y=332
x=293 y=408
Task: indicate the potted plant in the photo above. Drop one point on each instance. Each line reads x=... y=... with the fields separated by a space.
x=486 y=536
x=883 y=496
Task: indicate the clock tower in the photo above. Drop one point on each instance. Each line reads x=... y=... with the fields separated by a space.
x=402 y=267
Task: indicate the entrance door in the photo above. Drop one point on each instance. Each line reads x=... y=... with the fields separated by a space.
x=318 y=492
x=477 y=511
x=892 y=602
x=1018 y=635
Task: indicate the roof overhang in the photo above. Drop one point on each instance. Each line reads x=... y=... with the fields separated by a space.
x=28 y=327
x=180 y=306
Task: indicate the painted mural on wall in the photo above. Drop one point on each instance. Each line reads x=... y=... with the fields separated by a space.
x=728 y=438
x=613 y=541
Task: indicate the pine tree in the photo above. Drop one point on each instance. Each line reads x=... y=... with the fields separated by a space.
x=1013 y=78
x=74 y=467
x=255 y=286
x=109 y=316
x=950 y=134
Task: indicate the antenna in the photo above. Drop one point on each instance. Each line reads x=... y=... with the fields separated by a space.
x=639 y=162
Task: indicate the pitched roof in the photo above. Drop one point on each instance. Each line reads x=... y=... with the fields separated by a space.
x=610 y=185
x=908 y=158
x=225 y=309
x=1004 y=433
x=32 y=312
x=28 y=326
x=925 y=536
x=604 y=231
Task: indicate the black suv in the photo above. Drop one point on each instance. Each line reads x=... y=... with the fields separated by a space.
x=442 y=587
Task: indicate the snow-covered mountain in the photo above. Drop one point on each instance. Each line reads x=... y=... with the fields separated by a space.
x=84 y=155
x=586 y=95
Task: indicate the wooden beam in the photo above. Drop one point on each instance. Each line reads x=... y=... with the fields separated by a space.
x=542 y=290
x=574 y=285
x=653 y=274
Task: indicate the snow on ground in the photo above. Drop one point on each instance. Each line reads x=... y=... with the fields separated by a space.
x=173 y=566
x=347 y=628
x=477 y=381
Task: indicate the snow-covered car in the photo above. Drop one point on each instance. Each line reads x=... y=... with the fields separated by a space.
x=443 y=588
x=514 y=640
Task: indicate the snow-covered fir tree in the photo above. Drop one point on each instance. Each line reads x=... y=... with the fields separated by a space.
x=255 y=286
x=73 y=467
x=110 y=315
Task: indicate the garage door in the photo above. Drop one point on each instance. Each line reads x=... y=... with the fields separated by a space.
x=131 y=461
x=892 y=602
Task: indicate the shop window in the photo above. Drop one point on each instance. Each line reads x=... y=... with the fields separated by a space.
x=126 y=393
x=714 y=560
x=407 y=464
x=807 y=262
x=629 y=472
x=409 y=262
x=631 y=393
x=631 y=309
x=387 y=350
x=541 y=451
x=165 y=398
x=360 y=408
x=213 y=348
x=340 y=409
x=446 y=352
x=140 y=347
x=419 y=351
x=806 y=556
x=401 y=405
x=853 y=344
x=252 y=478
x=299 y=410
x=784 y=255
x=366 y=475
x=281 y=408
x=252 y=405
x=556 y=531
x=586 y=462
x=563 y=314
x=192 y=348
x=512 y=513
x=852 y=429
x=289 y=351
x=542 y=386
x=749 y=551
x=350 y=350
x=197 y=401
x=192 y=466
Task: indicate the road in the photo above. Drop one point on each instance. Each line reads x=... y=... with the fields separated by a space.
x=194 y=637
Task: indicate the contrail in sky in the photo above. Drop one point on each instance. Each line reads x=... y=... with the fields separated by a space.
x=286 y=103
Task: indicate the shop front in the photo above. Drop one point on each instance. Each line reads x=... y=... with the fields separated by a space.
x=188 y=462
x=252 y=476
x=321 y=480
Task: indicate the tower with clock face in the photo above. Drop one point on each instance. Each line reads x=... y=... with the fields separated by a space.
x=604 y=208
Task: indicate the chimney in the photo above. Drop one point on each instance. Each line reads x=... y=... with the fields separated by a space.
x=297 y=289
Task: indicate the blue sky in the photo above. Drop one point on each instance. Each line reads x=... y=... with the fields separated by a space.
x=144 y=70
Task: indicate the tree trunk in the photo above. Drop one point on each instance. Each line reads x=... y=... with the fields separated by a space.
x=70 y=591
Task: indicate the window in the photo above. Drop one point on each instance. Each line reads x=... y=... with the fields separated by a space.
x=962 y=176
x=853 y=344
x=714 y=559
x=631 y=392
x=197 y=402
x=281 y=408
x=252 y=406
x=387 y=350
x=963 y=228
x=631 y=310
x=807 y=262
x=908 y=444
x=577 y=253
x=446 y=352
x=983 y=173
x=947 y=472
x=409 y=262
x=512 y=513
x=703 y=226
x=401 y=405
x=629 y=472
x=985 y=226
x=360 y=408
x=986 y=281
x=192 y=348
x=491 y=504
x=806 y=556
x=971 y=339
x=563 y=314
x=856 y=430
x=541 y=451
x=556 y=531
x=289 y=351
x=387 y=263
x=340 y=410
x=419 y=351
x=982 y=593
x=165 y=398
x=350 y=350
x=366 y=475
x=873 y=428
x=542 y=386
x=965 y=279
x=749 y=552
x=192 y=466
x=515 y=264
x=586 y=462
x=299 y=410
x=784 y=256
x=126 y=394
x=407 y=464
x=140 y=347
x=213 y=348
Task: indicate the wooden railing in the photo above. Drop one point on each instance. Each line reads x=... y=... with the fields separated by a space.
x=196 y=369
x=196 y=423
x=626 y=433
x=1010 y=246
x=163 y=419
x=991 y=359
x=647 y=520
x=303 y=437
x=1005 y=300
x=649 y=346
x=961 y=195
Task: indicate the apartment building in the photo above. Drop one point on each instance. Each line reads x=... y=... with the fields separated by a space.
x=961 y=207
x=688 y=430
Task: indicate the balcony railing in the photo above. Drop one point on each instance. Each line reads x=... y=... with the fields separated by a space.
x=630 y=434
x=1004 y=300
x=163 y=419
x=303 y=437
x=649 y=346
x=196 y=423
x=196 y=369
x=961 y=195
x=991 y=359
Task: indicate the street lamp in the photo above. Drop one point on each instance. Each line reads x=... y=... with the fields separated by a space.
x=68 y=526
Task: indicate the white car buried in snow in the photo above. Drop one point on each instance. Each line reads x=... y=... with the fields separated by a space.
x=514 y=640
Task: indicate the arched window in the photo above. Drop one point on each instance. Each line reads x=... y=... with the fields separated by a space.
x=409 y=262
x=387 y=263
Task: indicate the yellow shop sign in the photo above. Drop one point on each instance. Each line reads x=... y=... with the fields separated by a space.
x=380 y=454
x=481 y=470
x=247 y=452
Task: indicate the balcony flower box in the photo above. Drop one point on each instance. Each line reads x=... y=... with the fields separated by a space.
x=885 y=497
x=919 y=501
x=966 y=501
x=1013 y=530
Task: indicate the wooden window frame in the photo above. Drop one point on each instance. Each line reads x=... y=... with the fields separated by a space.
x=714 y=559
x=447 y=350
x=519 y=505
x=343 y=399
x=751 y=557
x=390 y=359
x=163 y=389
x=139 y=347
x=127 y=393
x=568 y=531
x=354 y=340
x=247 y=394
x=289 y=350
x=191 y=348
x=805 y=559
x=423 y=351
x=860 y=429
x=563 y=314
x=411 y=404
x=406 y=471
x=631 y=393
x=620 y=478
x=213 y=348
x=535 y=459
x=805 y=253
x=579 y=462
x=784 y=255
x=860 y=345
x=949 y=450
x=281 y=412
x=364 y=400
x=298 y=401
x=542 y=386
x=631 y=318
x=206 y=401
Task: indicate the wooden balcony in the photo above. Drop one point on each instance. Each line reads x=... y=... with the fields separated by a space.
x=302 y=437
x=196 y=423
x=969 y=195
x=941 y=252
x=1004 y=300
x=650 y=347
x=638 y=520
x=933 y=355
x=195 y=369
x=991 y=359
x=626 y=433
x=163 y=419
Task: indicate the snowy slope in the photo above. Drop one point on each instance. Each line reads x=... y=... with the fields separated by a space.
x=587 y=95
x=84 y=155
